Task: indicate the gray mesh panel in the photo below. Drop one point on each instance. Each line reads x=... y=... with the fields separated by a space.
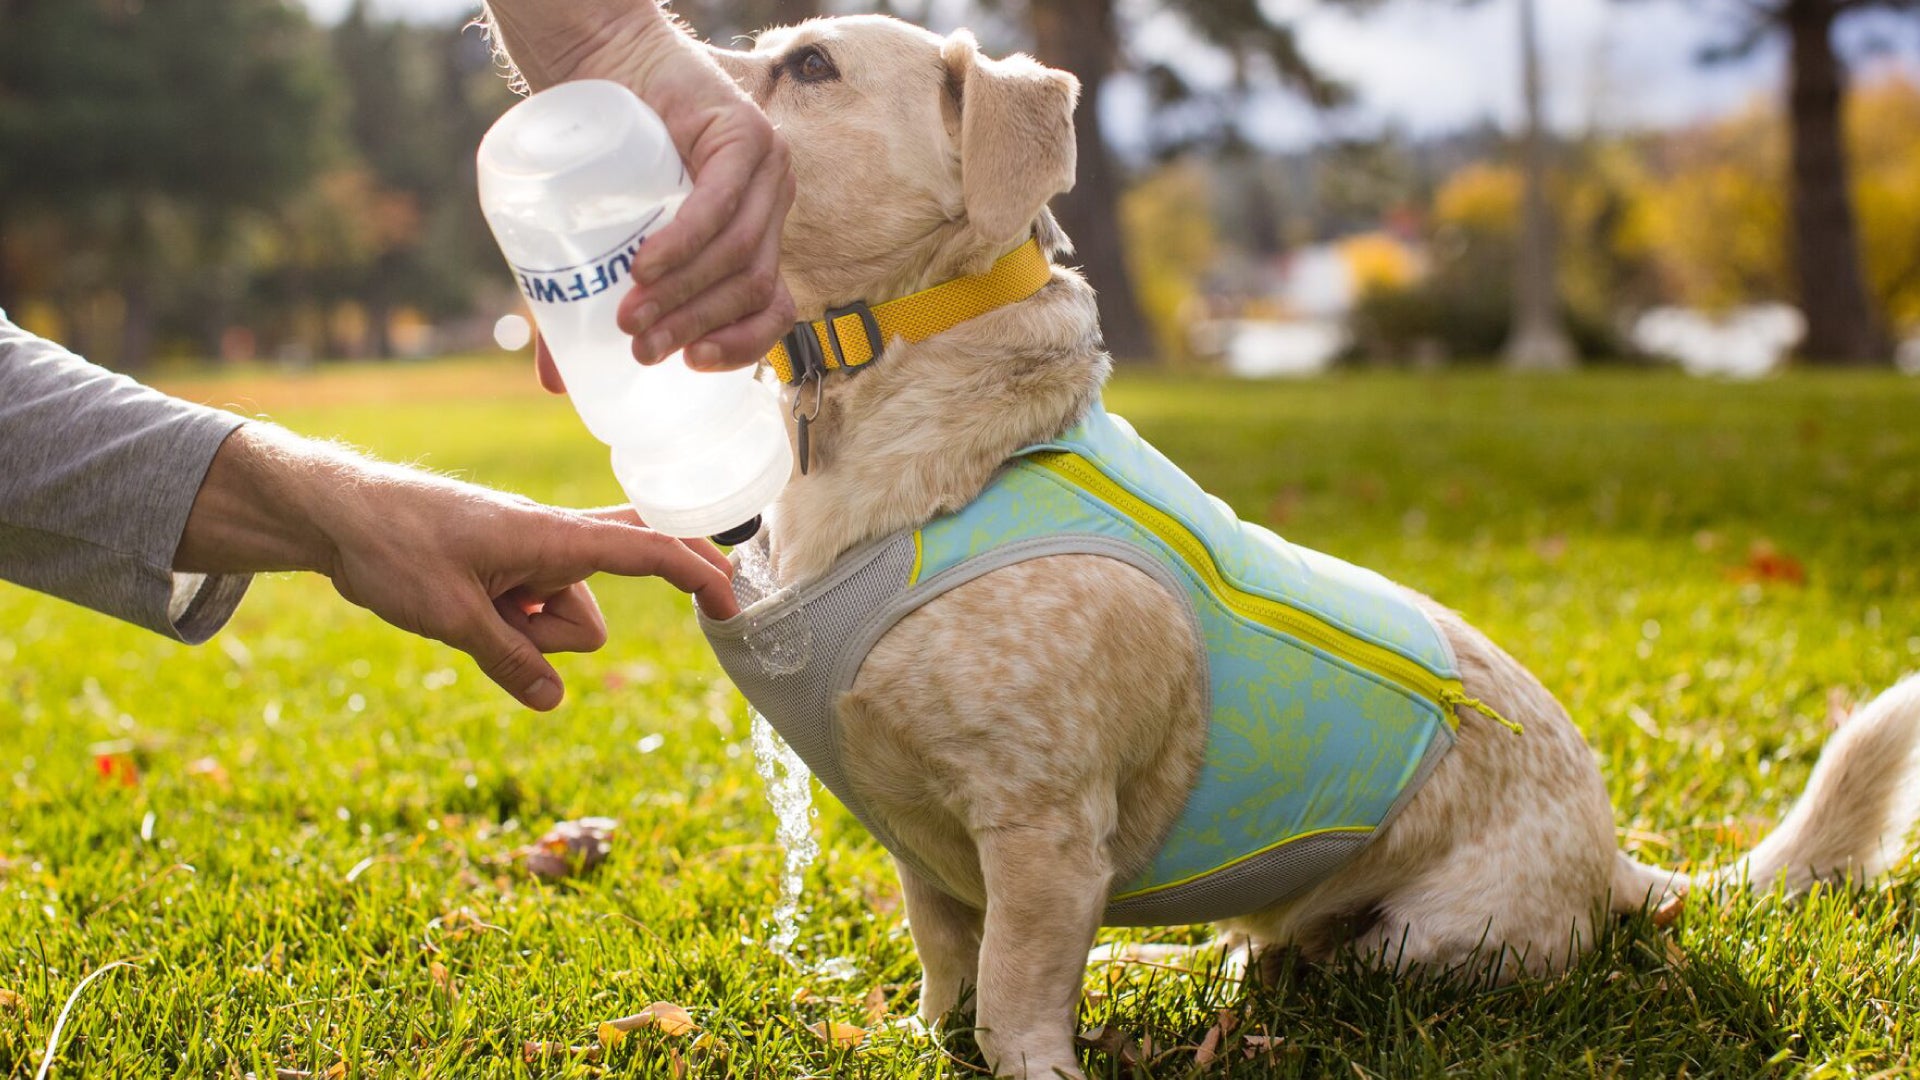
x=785 y=656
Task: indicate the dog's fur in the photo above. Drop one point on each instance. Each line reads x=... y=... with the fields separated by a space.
x=1031 y=777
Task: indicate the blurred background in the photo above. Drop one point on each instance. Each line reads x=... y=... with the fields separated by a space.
x=1266 y=186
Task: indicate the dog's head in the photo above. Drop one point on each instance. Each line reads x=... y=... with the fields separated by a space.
x=917 y=157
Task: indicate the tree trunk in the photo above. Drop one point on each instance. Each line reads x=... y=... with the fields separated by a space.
x=1538 y=341
x=1841 y=325
x=1079 y=36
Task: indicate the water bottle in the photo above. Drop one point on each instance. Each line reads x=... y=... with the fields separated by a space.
x=572 y=181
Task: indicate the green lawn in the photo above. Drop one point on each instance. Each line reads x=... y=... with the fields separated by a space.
x=313 y=868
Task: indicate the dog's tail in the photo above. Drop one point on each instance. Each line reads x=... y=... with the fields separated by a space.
x=1853 y=821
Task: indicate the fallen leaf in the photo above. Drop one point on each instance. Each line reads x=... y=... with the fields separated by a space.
x=443 y=979
x=662 y=1016
x=117 y=767
x=876 y=1005
x=1767 y=564
x=1209 y=1050
x=535 y=1051
x=1118 y=1044
x=13 y=1002
x=569 y=849
x=844 y=1036
x=1257 y=1045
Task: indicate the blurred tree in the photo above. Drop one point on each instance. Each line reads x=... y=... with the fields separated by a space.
x=1710 y=214
x=1538 y=339
x=1170 y=234
x=1087 y=38
x=1842 y=326
x=418 y=100
x=156 y=135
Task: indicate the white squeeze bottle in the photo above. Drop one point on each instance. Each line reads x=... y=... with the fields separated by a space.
x=572 y=181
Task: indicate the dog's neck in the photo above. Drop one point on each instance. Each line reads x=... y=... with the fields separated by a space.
x=921 y=431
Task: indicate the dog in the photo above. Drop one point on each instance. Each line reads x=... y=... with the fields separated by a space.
x=1027 y=739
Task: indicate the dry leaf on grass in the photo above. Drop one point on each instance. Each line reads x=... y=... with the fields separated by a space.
x=1118 y=1044
x=569 y=849
x=538 y=1051
x=842 y=1036
x=443 y=980
x=1767 y=564
x=1260 y=1045
x=12 y=1002
x=662 y=1016
x=334 y=1072
x=876 y=1005
x=1209 y=1048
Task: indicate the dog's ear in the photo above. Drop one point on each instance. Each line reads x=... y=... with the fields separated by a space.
x=1016 y=135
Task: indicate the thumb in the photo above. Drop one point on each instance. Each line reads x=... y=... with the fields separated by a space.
x=507 y=657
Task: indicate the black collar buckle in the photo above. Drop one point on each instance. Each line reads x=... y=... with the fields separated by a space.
x=875 y=343
x=804 y=357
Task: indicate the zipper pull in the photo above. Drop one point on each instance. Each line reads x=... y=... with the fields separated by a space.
x=1459 y=697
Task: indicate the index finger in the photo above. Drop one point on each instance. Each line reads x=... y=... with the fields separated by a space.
x=631 y=551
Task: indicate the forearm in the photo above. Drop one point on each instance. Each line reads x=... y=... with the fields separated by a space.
x=550 y=42
x=264 y=504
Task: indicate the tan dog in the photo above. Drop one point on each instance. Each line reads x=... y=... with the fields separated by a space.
x=1031 y=780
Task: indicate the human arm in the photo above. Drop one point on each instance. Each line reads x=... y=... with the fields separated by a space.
x=709 y=281
x=496 y=576
x=97 y=474
x=156 y=511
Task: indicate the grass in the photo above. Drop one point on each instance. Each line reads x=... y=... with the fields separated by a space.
x=312 y=870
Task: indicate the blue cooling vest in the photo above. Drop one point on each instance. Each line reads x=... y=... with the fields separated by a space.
x=1330 y=692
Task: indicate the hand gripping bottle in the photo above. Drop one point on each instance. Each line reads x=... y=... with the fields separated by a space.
x=572 y=181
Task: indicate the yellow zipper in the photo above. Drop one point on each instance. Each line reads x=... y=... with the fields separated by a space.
x=1443 y=692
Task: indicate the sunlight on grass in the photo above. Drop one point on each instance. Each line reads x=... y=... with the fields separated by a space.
x=1702 y=572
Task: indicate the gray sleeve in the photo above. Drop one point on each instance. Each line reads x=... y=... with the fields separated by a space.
x=97 y=475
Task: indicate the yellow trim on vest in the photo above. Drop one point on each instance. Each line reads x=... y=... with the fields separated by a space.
x=1444 y=693
x=1150 y=890
x=919 y=556
x=1016 y=276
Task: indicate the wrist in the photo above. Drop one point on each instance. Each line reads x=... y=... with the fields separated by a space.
x=264 y=505
x=583 y=39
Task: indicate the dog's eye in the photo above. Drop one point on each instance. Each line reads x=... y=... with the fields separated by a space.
x=812 y=65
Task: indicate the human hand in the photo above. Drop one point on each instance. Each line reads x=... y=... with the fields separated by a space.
x=503 y=579
x=498 y=577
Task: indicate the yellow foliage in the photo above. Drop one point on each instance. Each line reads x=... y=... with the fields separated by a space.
x=1716 y=221
x=1481 y=198
x=1883 y=134
x=1714 y=218
x=1380 y=262
x=1170 y=245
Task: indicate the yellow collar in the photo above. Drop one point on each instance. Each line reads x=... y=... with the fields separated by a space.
x=857 y=334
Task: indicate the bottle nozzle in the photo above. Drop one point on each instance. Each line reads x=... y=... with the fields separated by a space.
x=739 y=534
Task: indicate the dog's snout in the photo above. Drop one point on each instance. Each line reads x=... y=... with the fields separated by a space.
x=742 y=67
